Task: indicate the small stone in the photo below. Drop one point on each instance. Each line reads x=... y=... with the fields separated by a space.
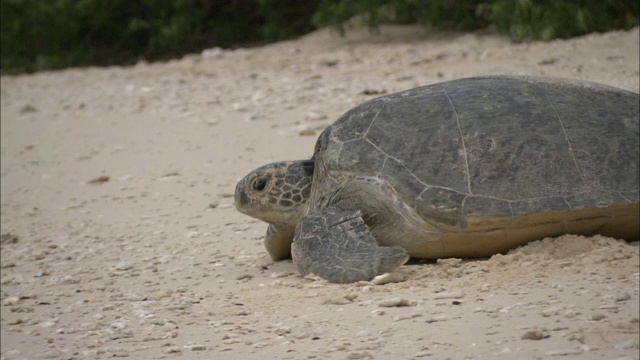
x=198 y=347
x=124 y=265
x=449 y=295
x=338 y=300
x=438 y=318
x=550 y=311
x=28 y=109
x=315 y=116
x=341 y=300
x=405 y=317
x=622 y=296
x=533 y=335
x=549 y=61
x=121 y=353
x=351 y=296
x=563 y=352
x=598 y=317
x=283 y=329
x=17 y=321
x=306 y=131
x=373 y=91
x=450 y=262
x=118 y=325
x=8 y=238
x=173 y=350
x=398 y=302
x=47 y=324
x=99 y=180
x=281 y=274
x=12 y=300
x=392 y=277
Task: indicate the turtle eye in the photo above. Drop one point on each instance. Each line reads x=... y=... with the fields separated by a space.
x=259 y=184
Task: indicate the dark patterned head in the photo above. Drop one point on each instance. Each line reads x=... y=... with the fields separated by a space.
x=276 y=193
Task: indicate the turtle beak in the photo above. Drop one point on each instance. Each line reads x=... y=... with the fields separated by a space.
x=240 y=197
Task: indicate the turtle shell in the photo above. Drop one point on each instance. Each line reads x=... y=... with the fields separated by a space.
x=493 y=147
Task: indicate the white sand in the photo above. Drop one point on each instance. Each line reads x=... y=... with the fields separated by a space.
x=155 y=263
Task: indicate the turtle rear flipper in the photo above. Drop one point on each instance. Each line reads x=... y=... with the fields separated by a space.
x=337 y=246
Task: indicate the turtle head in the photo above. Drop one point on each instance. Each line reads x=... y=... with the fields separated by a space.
x=276 y=193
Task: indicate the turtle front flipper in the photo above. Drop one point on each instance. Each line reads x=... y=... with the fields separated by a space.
x=278 y=241
x=337 y=246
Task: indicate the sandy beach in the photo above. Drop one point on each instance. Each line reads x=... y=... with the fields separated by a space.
x=120 y=237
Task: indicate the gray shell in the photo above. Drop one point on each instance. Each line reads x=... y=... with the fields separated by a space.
x=494 y=146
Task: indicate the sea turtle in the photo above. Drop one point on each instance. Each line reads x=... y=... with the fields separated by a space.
x=463 y=168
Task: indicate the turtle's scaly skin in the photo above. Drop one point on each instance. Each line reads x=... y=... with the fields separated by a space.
x=467 y=168
x=344 y=261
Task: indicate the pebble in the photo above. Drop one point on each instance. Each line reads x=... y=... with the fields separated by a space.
x=563 y=352
x=341 y=300
x=306 y=131
x=392 y=277
x=198 y=347
x=533 y=335
x=120 y=353
x=283 y=329
x=449 y=295
x=17 y=321
x=173 y=350
x=351 y=296
x=315 y=116
x=12 y=300
x=124 y=265
x=598 y=317
x=405 y=317
x=452 y=262
x=398 y=302
x=438 y=318
x=118 y=325
x=622 y=296
x=423 y=353
x=47 y=324
x=281 y=274
x=550 y=311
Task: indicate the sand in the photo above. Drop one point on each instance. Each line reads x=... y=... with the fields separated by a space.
x=120 y=239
